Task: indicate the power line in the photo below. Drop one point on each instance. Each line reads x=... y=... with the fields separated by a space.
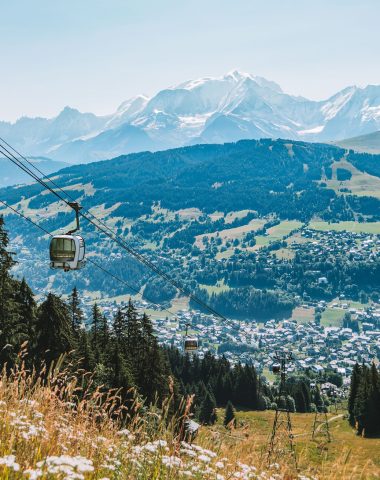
x=89 y=260
x=110 y=235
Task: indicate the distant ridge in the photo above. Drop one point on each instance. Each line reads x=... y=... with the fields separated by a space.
x=221 y=109
x=364 y=143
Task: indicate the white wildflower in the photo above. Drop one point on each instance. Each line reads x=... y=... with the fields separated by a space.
x=30 y=403
x=33 y=474
x=161 y=443
x=171 y=461
x=190 y=453
x=73 y=467
x=10 y=462
x=204 y=458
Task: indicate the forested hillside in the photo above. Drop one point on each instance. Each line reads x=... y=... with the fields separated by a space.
x=218 y=216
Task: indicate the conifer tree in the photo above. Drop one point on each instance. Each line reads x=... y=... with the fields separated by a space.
x=355 y=381
x=229 y=416
x=75 y=311
x=54 y=326
x=104 y=334
x=367 y=402
x=8 y=310
x=84 y=351
x=361 y=402
x=120 y=327
x=374 y=402
x=27 y=312
x=95 y=328
x=207 y=410
x=134 y=334
x=122 y=375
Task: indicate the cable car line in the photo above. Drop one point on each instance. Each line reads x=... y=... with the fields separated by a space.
x=137 y=292
x=110 y=235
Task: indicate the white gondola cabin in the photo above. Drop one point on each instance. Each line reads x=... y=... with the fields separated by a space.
x=67 y=252
x=276 y=368
x=190 y=344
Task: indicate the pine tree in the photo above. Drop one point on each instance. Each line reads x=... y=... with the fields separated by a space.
x=27 y=312
x=134 y=333
x=361 y=402
x=54 y=327
x=120 y=327
x=84 y=351
x=75 y=311
x=373 y=427
x=229 y=416
x=367 y=402
x=154 y=379
x=104 y=334
x=95 y=335
x=355 y=381
x=149 y=360
x=121 y=372
x=299 y=400
x=8 y=310
x=207 y=410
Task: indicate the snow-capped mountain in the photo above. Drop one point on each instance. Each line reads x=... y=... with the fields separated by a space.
x=208 y=110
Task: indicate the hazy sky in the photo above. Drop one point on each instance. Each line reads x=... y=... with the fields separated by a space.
x=94 y=54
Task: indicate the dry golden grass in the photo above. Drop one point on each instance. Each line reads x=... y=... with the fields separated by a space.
x=55 y=425
x=348 y=456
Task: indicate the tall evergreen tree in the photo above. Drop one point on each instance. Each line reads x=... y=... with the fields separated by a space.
x=27 y=311
x=134 y=333
x=120 y=328
x=8 y=310
x=104 y=334
x=229 y=416
x=95 y=328
x=54 y=326
x=355 y=381
x=367 y=402
x=75 y=311
x=207 y=410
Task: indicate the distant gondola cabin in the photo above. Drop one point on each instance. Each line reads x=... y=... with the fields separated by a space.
x=276 y=368
x=191 y=344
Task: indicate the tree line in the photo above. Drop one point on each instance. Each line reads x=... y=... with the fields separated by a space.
x=364 y=400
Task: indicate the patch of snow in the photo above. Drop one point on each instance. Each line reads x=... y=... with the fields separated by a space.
x=317 y=129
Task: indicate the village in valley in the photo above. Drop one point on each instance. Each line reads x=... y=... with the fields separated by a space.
x=323 y=335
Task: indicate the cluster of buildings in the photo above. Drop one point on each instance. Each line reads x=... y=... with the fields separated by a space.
x=314 y=346
x=356 y=246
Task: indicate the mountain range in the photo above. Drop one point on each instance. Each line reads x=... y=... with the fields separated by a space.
x=208 y=110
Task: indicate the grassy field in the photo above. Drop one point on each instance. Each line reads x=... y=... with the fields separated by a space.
x=332 y=317
x=349 y=226
x=231 y=233
x=218 y=288
x=346 y=457
x=277 y=232
x=360 y=183
x=303 y=315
